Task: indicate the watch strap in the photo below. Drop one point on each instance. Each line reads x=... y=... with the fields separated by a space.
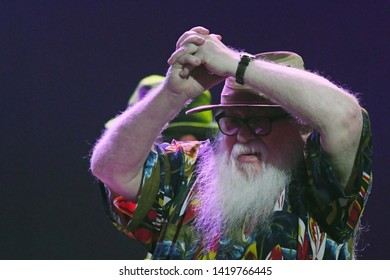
x=242 y=65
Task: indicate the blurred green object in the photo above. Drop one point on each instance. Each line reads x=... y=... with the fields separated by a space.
x=200 y=125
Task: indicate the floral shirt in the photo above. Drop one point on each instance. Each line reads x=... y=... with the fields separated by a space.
x=315 y=221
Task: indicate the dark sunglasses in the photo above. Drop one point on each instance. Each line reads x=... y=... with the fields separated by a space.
x=258 y=125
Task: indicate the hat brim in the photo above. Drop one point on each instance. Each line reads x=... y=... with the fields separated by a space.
x=224 y=106
x=200 y=130
x=173 y=125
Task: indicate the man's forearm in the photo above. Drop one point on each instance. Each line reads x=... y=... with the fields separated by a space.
x=306 y=95
x=333 y=112
x=122 y=150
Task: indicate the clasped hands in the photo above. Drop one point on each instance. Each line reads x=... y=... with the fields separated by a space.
x=203 y=57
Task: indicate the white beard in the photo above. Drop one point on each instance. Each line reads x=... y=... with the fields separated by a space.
x=229 y=195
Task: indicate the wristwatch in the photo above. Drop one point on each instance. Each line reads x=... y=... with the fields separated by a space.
x=242 y=65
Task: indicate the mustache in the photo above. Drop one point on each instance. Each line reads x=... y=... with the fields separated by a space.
x=249 y=148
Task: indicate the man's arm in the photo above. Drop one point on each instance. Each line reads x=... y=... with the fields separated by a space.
x=332 y=111
x=119 y=156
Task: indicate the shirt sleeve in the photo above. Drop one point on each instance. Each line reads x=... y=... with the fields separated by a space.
x=166 y=172
x=336 y=211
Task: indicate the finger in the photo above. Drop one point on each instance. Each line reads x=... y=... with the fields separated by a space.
x=187 y=69
x=188 y=59
x=219 y=37
x=193 y=39
x=185 y=49
x=200 y=30
x=190 y=36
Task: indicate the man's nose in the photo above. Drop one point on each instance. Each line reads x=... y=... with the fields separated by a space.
x=245 y=135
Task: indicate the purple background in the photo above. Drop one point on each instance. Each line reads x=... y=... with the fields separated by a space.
x=66 y=67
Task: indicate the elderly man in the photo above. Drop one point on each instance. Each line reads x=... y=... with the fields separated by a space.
x=287 y=178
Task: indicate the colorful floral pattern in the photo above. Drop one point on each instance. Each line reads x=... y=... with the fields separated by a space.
x=313 y=218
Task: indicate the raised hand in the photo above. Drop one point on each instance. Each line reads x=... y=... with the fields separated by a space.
x=188 y=73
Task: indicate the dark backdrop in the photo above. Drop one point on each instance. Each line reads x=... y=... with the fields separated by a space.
x=66 y=67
